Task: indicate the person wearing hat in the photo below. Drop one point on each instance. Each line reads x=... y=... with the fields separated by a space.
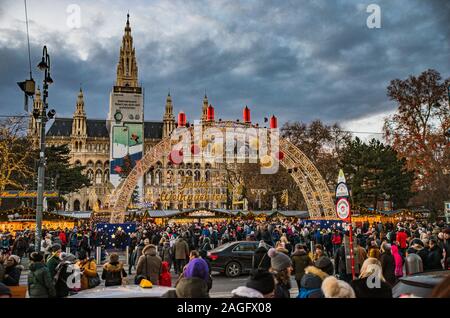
x=149 y=264
x=260 y=259
x=113 y=271
x=53 y=260
x=40 y=282
x=260 y=284
x=281 y=266
x=335 y=288
x=13 y=270
x=300 y=260
x=418 y=247
x=63 y=273
x=194 y=281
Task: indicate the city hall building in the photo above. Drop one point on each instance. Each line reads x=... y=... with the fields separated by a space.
x=101 y=145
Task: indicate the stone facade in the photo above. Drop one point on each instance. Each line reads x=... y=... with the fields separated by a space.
x=89 y=141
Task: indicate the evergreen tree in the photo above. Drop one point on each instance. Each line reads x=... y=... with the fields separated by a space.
x=375 y=173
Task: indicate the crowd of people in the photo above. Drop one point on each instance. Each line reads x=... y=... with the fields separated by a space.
x=314 y=257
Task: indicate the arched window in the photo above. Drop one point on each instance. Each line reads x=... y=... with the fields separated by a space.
x=88 y=207
x=90 y=174
x=76 y=205
x=98 y=176
x=77 y=163
x=207 y=175
x=158 y=176
x=90 y=164
x=106 y=176
x=98 y=165
x=196 y=175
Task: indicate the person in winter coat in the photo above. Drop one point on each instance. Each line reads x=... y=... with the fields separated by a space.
x=260 y=259
x=113 y=271
x=335 y=288
x=387 y=261
x=20 y=246
x=206 y=246
x=149 y=264
x=166 y=254
x=300 y=260
x=434 y=256
x=281 y=266
x=181 y=251
x=417 y=247
x=374 y=251
x=63 y=239
x=193 y=283
x=165 y=279
x=40 y=283
x=371 y=283
x=64 y=270
x=140 y=247
x=53 y=260
x=260 y=284
x=340 y=263
x=88 y=268
x=398 y=261
x=401 y=238
x=311 y=283
x=13 y=270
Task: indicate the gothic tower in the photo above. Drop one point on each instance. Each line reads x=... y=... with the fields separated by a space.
x=168 y=119
x=127 y=70
x=79 y=129
x=204 y=108
x=34 y=129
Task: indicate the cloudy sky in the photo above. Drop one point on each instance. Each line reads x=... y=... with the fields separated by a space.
x=301 y=60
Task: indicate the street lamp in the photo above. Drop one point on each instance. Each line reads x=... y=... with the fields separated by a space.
x=42 y=118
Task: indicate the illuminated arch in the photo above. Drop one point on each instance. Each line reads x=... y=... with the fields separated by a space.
x=305 y=174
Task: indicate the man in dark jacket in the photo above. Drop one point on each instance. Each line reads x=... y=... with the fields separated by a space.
x=40 y=283
x=54 y=259
x=300 y=260
x=388 y=264
x=260 y=258
x=434 y=256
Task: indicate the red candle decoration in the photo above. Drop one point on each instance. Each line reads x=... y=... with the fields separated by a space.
x=246 y=114
x=210 y=113
x=279 y=155
x=195 y=149
x=181 y=119
x=273 y=122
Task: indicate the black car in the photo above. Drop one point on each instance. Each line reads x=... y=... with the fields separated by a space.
x=233 y=258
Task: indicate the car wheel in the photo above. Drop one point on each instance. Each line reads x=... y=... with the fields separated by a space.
x=233 y=269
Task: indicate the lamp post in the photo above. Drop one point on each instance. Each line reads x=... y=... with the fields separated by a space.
x=42 y=118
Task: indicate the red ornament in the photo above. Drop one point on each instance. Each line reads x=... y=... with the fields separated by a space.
x=210 y=113
x=246 y=115
x=195 y=150
x=118 y=169
x=279 y=155
x=181 y=119
x=273 y=122
x=176 y=157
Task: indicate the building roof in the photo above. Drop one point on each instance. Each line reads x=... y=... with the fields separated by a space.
x=153 y=129
x=62 y=127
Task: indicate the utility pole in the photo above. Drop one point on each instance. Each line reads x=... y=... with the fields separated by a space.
x=42 y=119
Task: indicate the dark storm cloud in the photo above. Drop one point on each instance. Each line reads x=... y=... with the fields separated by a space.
x=300 y=60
